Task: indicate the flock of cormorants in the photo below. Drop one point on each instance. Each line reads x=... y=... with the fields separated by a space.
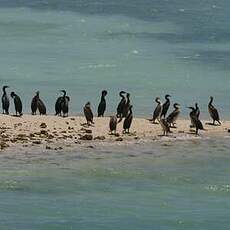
x=124 y=110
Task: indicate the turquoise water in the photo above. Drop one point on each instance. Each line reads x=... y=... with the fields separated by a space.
x=181 y=185
x=149 y=48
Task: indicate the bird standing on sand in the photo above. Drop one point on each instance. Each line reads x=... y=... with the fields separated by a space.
x=165 y=126
x=157 y=111
x=172 y=117
x=197 y=110
x=113 y=124
x=128 y=120
x=120 y=107
x=5 y=101
x=62 y=105
x=37 y=103
x=41 y=106
x=195 y=113
x=126 y=106
x=88 y=113
x=17 y=104
x=34 y=103
x=165 y=106
x=195 y=120
x=102 y=105
x=213 y=112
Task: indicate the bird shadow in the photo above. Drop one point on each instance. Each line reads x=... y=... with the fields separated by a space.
x=14 y=115
x=210 y=123
x=85 y=125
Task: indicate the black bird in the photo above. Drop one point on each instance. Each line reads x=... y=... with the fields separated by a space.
x=113 y=124
x=196 y=113
x=213 y=112
x=41 y=107
x=120 y=107
x=172 y=117
x=128 y=120
x=165 y=126
x=165 y=106
x=157 y=111
x=37 y=103
x=88 y=113
x=58 y=106
x=65 y=104
x=126 y=106
x=34 y=103
x=102 y=105
x=5 y=100
x=17 y=104
x=195 y=120
x=197 y=110
x=62 y=104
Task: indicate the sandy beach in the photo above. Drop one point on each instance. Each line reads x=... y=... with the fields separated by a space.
x=56 y=133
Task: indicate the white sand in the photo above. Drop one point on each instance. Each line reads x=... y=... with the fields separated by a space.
x=59 y=132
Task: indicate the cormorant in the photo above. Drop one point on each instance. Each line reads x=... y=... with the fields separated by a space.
x=62 y=104
x=120 y=107
x=65 y=104
x=88 y=113
x=37 y=103
x=172 y=117
x=157 y=111
x=5 y=100
x=197 y=110
x=17 y=103
x=102 y=105
x=195 y=120
x=126 y=106
x=128 y=120
x=34 y=103
x=213 y=112
x=41 y=107
x=113 y=124
x=58 y=106
x=196 y=113
x=165 y=106
x=165 y=126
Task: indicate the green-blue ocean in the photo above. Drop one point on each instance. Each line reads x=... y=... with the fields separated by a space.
x=148 y=48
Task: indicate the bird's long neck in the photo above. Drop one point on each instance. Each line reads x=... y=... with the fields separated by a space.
x=122 y=96
x=102 y=97
x=211 y=100
x=4 y=91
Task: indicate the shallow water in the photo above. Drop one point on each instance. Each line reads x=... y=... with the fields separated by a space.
x=148 y=48
x=168 y=185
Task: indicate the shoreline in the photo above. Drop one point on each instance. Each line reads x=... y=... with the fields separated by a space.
x=56 y=133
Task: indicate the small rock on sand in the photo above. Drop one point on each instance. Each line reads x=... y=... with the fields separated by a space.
x=43 y=125
x=37 y=142
x=86 y=137
x=100 y=138
x=119 y=139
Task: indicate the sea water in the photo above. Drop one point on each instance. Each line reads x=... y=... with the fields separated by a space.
x=148 y=48
x=168 y=185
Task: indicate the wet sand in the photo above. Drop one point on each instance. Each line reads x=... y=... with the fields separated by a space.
x=51 y=132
